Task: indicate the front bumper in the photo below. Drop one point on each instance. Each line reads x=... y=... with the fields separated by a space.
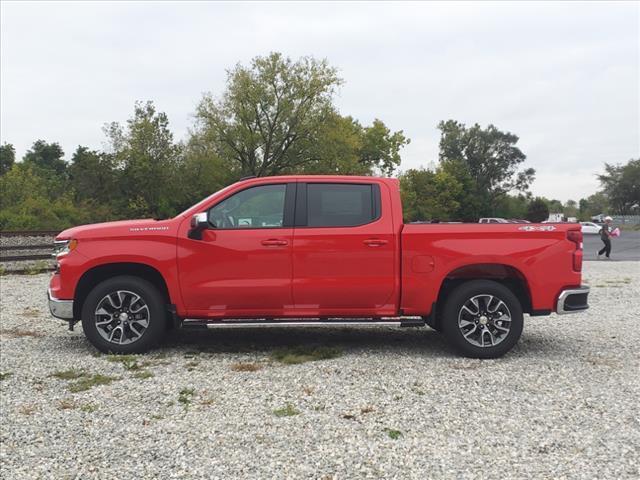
x=573 y=300
x=62 y=309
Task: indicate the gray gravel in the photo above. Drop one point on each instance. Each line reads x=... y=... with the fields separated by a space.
x=563 y=404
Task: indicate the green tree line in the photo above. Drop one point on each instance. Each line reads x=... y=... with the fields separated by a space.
x=275 y=116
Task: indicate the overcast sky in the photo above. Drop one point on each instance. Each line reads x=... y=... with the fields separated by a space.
x=562 y=76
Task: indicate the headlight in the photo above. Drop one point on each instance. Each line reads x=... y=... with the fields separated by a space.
x=62 y=247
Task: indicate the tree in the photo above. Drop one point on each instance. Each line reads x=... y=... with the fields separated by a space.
x=537 y=211
x=571 y=209
x=47 y=157
x=92 y=177
x=343 y=146
x=490 y=157
x=555 y=206
x=7 y=157
x=621 y=185
x=428 y=195
x=147 y=157
x=268 y=112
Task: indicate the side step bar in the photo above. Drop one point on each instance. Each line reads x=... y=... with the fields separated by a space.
x=400 y=322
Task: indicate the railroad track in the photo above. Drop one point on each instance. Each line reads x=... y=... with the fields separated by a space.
x=41 y=251
x=29 y=233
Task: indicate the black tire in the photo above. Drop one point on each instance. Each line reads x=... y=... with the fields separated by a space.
x=481 y=290
x=157 y=315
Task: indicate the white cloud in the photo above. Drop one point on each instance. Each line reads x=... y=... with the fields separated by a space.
x=563 y=76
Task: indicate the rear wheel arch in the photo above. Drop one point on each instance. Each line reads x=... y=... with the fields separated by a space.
x=100 y=273
x=507 y=275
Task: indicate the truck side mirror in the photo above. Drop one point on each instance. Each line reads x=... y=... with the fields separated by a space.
x=199 y=222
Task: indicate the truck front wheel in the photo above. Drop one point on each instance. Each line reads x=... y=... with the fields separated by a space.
x=124 y=314
x=482 y=319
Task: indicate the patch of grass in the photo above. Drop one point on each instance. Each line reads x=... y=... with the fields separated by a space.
x=143 y=375
x=38 y=267
x=5 y=375
x=19 y=332
x=71 y=374
x=302 y=354
x=157 y=417
x=185 y=397
x=27 y=409
x=89 y=408
x=246 y=367
x=393 y=434
x=87 y=383
x=66 y=404
x=30 y=312
x=3 y=271
x=129 y=362
x=288 y=411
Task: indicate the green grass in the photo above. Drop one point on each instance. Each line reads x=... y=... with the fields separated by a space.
x=88 y=382
x=71 y=374
x=5 y=375
x=129 y=362
x=288 y=411
x=393 y=434
x=302 y=354
x=88 y=408
x=143 y=375
x=185 y=397
x=38 y=267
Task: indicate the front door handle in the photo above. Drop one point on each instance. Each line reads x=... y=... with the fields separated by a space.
x=274 y=242
x=375 y=242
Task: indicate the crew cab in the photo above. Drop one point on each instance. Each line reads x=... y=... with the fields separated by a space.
x=313 y=251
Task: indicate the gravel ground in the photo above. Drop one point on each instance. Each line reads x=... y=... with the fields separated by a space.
x=396 y=403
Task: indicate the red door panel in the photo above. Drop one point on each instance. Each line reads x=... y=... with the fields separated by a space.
x=236 y=272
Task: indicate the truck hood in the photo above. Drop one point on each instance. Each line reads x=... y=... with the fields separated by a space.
x=122 y=227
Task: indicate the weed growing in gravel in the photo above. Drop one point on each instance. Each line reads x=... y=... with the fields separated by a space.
x=393 y=434
x=246 y=367
x=142 y=375
x=129 y=362
x=30 y=312
x=38 y=267
x=185 y=396
x=87 y=383
x=302 y=354
x=27 y=409
x=288 y=411
x=71 y=374
x=88 y=408
x=66 y=404
x=3 y=271
x=367 y=409
x=5 y=375
x=18 y=332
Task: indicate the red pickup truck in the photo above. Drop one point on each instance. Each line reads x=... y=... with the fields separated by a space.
x=313 y=251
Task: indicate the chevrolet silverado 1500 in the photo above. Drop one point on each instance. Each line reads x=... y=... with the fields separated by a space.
x=313 y=251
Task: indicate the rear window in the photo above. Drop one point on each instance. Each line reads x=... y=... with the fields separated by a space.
x=340 y=204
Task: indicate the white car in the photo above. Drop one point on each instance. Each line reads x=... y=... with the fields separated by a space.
x=590 y=228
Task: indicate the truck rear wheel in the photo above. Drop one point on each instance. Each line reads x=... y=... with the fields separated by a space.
x=124 y=314
x=482 y=319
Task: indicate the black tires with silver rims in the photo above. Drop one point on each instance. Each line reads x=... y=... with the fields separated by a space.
x=482 y=319
x=124 y=314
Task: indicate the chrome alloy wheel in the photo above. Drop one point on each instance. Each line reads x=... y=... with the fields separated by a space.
x=484 y=320
x=122 y=317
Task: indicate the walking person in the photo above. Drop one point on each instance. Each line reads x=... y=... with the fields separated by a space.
x=605 y=236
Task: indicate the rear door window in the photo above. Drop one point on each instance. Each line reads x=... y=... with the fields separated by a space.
x=341 y=204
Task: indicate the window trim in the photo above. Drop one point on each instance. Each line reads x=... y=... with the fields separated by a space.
x=288 y=209
x=301 y=210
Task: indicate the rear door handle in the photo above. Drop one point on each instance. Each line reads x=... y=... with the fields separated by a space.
x=375 y=242
x=274 y=242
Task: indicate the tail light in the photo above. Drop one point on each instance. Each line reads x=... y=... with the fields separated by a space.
x=575 y=236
